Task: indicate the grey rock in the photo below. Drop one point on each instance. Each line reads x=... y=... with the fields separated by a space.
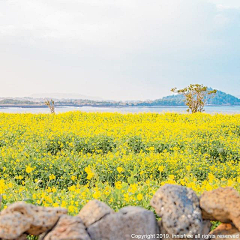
x=130 y=209
x=93 y=211
x=42 y=218
x=179 y=209
x=68 y=228
x=167 y=236
x=222 y=204
x=22 y=237
x=123 y=225
x=13 y=225
x=206 y=228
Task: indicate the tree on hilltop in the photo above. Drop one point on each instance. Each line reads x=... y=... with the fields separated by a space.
x=196 y=96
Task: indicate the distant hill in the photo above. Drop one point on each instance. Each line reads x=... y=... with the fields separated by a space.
x=13 y=101
x=220 y=98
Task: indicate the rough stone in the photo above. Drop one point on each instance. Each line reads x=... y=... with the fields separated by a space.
x=130 y=209
x=205 y=231
x=42 y=218
x=226 y=231
x=222 y=204
x=68 y=228
x=45 y=219
x=179 y=209
x=22 y=237
x=164 y=233
x=206 y=227
x=124 y=224
x=93 y=211
x=13 y=225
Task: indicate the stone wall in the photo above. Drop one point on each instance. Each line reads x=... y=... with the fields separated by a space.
x=182 y=213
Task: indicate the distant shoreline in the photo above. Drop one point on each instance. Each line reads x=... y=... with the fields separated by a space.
x=104 y=106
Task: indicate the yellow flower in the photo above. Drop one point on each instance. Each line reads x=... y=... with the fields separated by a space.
x=139 y=197
x=188 y=168
x=238 y=179
x=133 y=188
x=110 y=144
x=29 y=169
x=64 y=204
x=73 y=178
x=87 y=169
x=230 y=182
x=97 y=195
x=52 y=177
x=90 y=175
x=126 y=197
x=171 y=177
x=161 y=168
x=208 y=187
x=118 y=185
x=71 y=209
x=72 y=188
x=211 y=177
x=89 y=172
x=119 y=169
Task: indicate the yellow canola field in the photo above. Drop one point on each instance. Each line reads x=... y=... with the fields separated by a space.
x=122 y=159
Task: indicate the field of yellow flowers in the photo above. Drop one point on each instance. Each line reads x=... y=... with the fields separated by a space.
x=122 y=159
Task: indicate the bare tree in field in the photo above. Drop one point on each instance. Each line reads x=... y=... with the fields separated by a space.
x=51 y=106
x=196 y=96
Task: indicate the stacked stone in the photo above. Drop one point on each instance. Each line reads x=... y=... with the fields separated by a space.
x=182 y=213
x=222 y=204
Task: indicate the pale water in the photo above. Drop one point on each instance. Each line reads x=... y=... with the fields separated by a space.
x=208 y=109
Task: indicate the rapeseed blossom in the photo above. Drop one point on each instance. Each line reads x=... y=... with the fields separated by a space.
x=122 y=159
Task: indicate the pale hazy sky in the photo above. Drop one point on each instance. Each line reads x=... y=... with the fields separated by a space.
x=118 y=49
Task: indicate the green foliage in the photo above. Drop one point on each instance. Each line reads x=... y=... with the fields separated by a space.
x=98 y=144
x=136 y=144
x=121 y=159
x=2 y=143
x=195 y=96
x=57 y=144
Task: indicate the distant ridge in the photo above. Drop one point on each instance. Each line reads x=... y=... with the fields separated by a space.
x=220 y=98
